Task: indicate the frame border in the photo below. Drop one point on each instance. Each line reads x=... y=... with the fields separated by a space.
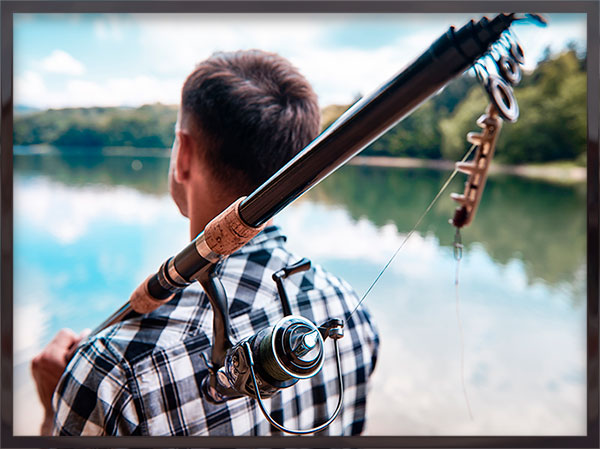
x=8 y=8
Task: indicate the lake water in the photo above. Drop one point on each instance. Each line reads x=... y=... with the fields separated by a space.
x=89 y=226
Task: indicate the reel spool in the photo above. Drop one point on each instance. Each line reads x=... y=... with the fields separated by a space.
x=292 y=350
x=282 y=354
x=276 y=357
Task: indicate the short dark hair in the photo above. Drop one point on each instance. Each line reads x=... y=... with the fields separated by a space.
x=254 y=111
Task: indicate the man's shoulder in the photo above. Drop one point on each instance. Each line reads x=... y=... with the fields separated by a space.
x=137 y=359
x=174 y=324
x=258 y=260
x=268 y=253
x=316 y=293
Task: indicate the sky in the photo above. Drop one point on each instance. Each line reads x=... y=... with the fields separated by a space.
x=83 y=60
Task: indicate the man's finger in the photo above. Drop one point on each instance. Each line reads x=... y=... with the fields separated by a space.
x=64 y=337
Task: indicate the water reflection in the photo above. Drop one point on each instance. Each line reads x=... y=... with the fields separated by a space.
x=539 y=223
x=144 y=170
x=89 y=228
x=524 y=343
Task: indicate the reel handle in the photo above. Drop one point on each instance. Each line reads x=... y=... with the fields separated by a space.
x=302 y=265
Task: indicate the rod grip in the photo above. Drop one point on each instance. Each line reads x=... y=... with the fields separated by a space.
x=228 y=232
x=142 y=301
x=224 y=235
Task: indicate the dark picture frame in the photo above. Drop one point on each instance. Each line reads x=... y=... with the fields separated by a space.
x=590 y=7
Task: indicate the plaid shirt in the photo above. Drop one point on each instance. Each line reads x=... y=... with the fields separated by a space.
x=142 y=376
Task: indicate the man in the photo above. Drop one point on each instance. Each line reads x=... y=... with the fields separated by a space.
x=243 y=115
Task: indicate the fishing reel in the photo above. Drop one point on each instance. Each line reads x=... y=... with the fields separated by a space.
x=276 y=357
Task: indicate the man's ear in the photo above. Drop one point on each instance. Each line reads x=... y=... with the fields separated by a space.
x=183 y=158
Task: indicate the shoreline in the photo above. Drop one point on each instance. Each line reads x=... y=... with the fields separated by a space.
x=557 y=172
x=549 y=172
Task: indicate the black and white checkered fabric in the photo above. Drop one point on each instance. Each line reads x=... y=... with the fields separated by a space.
x=142 y=376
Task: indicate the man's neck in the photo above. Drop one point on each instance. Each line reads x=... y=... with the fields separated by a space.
x=201 y=214
x=205 y=200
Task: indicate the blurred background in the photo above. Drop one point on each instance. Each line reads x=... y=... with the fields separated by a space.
x=96 y=99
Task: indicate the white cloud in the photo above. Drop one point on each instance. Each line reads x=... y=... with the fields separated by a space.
x=134 y=91
x=535 y=39
x=31 y=89
x=336 y=74
x=60 y=61
x=346 y=239
x=178 y=42
x=67 y=213
x=169 y=46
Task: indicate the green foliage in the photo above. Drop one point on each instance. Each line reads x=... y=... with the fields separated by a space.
x=551 y=126
x=419 y=134
x=552 y=121
x=454 y=129
x=143 y=172
x=149 y=126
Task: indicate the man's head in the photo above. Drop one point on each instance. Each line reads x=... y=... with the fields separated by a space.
x=243 y=115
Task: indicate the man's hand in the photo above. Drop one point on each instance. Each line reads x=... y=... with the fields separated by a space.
x=48 y=366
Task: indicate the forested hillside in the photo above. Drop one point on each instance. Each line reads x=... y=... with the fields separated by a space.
x=149 y=126
x=551 y=126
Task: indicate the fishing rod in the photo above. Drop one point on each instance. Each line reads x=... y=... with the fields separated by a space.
x=292 y=349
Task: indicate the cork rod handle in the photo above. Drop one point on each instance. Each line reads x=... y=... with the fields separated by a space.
x=227 y=232
x=224 y=235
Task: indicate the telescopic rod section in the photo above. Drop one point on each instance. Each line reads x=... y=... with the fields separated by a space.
x=449 y=56
x=373 y=115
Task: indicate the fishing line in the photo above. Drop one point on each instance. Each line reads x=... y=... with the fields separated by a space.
x=462 y=342
x=414 y=228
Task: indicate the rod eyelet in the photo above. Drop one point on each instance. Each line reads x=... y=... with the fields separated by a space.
x=516 y=51
x=509 y=69
x=502 y=97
